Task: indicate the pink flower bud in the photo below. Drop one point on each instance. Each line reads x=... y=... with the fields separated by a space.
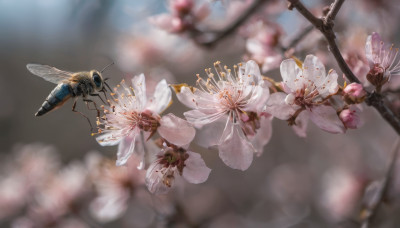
x=354 y=93
x=351 y=117
x=181 y=7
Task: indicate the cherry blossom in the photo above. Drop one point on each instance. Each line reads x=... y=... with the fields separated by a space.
x=171 y=161
x=262 y=43
x=184 y=16
x=132 y=117
x=236 y=98
x=383 y=60
x=114 y=185
x=306 y=92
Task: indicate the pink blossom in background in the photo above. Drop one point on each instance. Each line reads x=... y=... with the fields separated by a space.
x=185 y=14
x=263 y=43
x=171 y=162
x=115 y=186
x=132 y=116
x=238 y=99
x=306 y=89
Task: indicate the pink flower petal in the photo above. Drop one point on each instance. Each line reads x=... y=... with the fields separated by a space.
x=373 y=48
x=301 y=124
x=108 y=139
x=209 y=135
x=195 y=170
x=329 y=85
x=314 y=70
x=161 y=99
x=234 y=149
x=277 y=106
x=198 y=118
x=154 y=179
x=263 y=134
x=289 y=72
x=139 y=88
x=186 y=97
x=326 y=118
x=176 y=130
x=126 y=148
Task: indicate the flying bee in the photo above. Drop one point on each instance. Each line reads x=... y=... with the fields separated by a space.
x=70 y=85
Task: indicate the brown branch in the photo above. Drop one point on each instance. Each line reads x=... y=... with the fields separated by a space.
x=232 y=27
x=299 y=38
x=326 y=27
x=334 y=10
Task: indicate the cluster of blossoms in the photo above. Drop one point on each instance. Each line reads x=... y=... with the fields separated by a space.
x=131 y=119
x=232 y=110
x=184 y=16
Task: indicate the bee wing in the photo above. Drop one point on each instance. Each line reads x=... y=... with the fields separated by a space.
x=49 y=73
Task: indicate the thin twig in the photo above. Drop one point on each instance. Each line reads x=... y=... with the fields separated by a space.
x=382 y=191
x=298 y=38
x=334 y=10
x=326 y=27
x=232 y=27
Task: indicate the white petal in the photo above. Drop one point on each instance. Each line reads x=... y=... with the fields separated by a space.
x=289 y=72
x=314 y=70
x=126 y=148
x=198 y=118
x=326 y=118
x=154 y=179
x=109 y=207
x=301 y=123
x=108 y=139
x=234 y=149
x=329 y=86
x=186 y=97
x=210 y=134
x=373 y=48
x=139 y=87
x=176 y=130
x=277 y=106
x=162 y=97
x=258 y=99
x=263 y=134
x=252 y=73
x=195 y=170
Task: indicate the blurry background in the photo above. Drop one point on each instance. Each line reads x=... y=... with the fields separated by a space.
x=311 y=182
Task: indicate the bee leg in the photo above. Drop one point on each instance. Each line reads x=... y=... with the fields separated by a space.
x=76 y=111
x=98 y=95
x=95 y=106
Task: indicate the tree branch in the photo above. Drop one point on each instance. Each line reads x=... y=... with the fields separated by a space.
x=326 y=27
x=299 y=38
x=232 y=27
x=334 y=10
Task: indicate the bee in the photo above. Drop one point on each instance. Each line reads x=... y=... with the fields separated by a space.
x=70 y=85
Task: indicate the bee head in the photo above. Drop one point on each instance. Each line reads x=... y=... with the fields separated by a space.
x=97 y=80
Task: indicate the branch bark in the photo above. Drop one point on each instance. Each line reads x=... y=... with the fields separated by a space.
x=325 y=25
x=232 y=27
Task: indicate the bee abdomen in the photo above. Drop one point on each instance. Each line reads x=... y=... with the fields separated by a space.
x=56 y=98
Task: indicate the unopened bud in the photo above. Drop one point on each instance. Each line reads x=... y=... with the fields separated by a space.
x=354 y=93
x=351 y=117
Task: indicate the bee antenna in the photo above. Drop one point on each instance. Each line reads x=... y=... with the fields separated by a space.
x=106 y=79
x=106 y=67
